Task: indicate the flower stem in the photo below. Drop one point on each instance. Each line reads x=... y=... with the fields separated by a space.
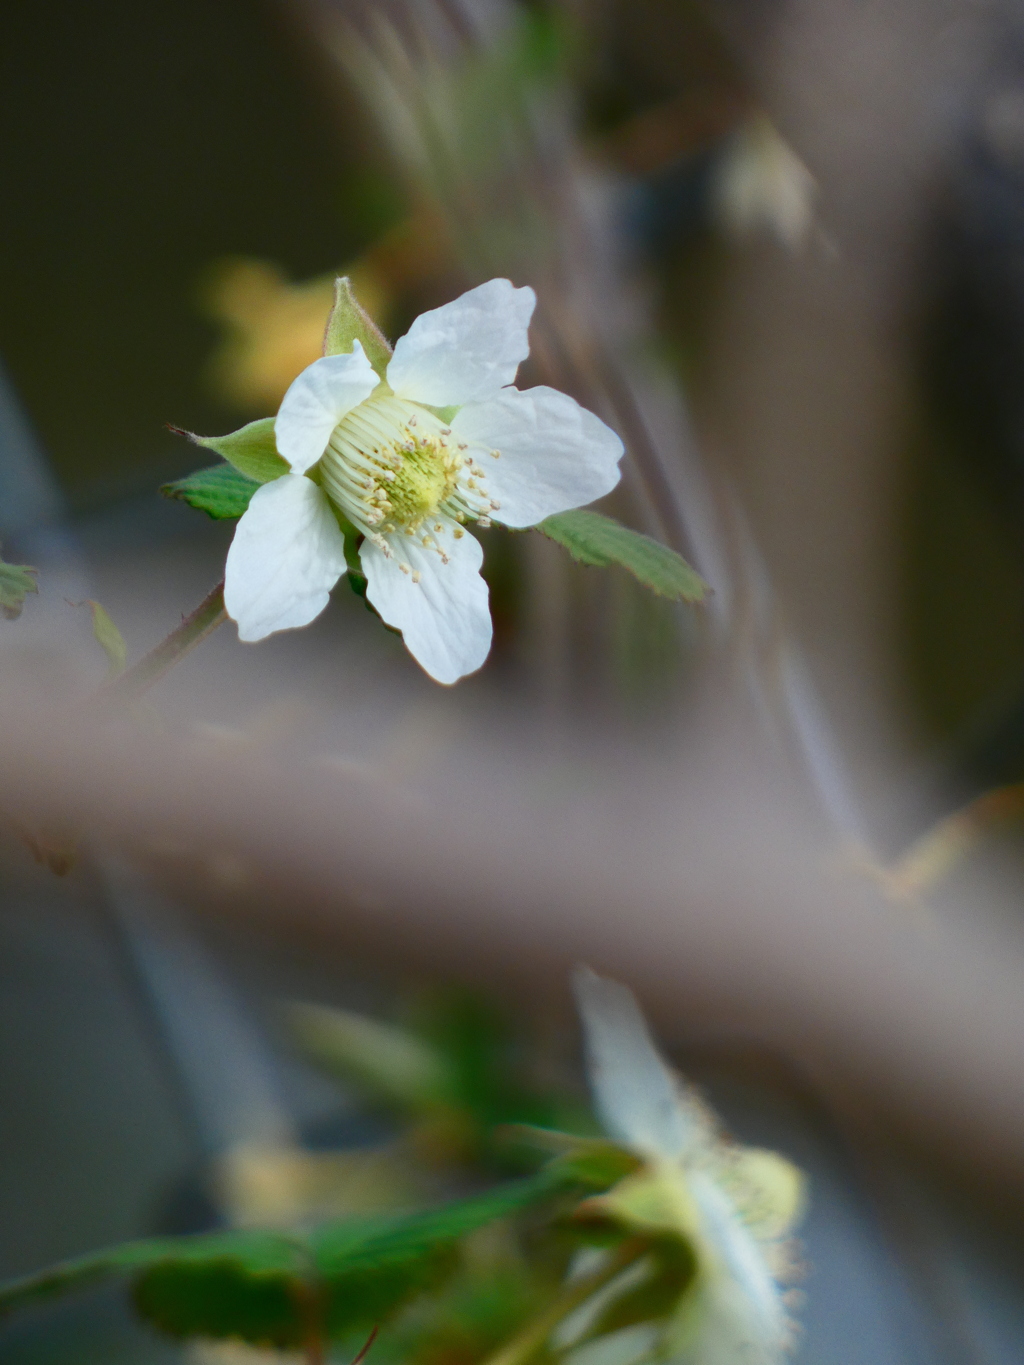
x=530 y=1338
x=182 y=640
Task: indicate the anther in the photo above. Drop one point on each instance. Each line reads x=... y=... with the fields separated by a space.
x=495 y=454
x=405 y=568
x=458 y=533
x=416 y=575
x=483 y=521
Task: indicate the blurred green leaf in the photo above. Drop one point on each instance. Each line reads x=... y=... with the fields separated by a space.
x=221 y=491
x=592 y=538
x=350 y=322
x=228 y=1284
x=485 y=1061
x=259 y=1285
x=259 y=1248
x=16 y=582
x=252 y=449
x=390 y=1061
x=456 y=1068
x=476 y=1313
x=372 y=1268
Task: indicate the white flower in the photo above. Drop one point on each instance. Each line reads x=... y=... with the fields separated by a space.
x=408 y=477
x=736 y=1205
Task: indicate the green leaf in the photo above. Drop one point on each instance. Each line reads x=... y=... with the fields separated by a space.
x=252 y=449
x=73 y=1274
x=245 y=1285
x=350 y=322
x=221 y=491
x=108 y=637
x=16 y=582
x=592 y=538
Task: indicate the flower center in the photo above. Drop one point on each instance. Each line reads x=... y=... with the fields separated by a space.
x=393 y=466
x=425 y=477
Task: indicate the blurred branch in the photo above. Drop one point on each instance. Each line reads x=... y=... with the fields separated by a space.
x=717 y=901
x=948 y=843
x=195 y=627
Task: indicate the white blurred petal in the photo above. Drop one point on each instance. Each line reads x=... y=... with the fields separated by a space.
x=287 y=555
x=317 y=401
x=466 y=350
x=444 y=618
x=636 y=1095
x=761 y=184
x=738 y=1312
x=554 y=453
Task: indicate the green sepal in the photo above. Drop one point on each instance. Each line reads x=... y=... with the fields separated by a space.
x=350 y=322
x=654 y=1203
x=447 y=415
x=592 y=538
x=252 y=449
x=597 y=1162
x=222 y=492
x=671 y=1274
x=16 y=582
x=352 y=541
x=108 y=637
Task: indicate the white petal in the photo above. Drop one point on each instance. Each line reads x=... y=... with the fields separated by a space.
x=317 y=401
x=738 y=1312
x=636 y=1095
x=554 y=454
x=287 y=555
x=466 y=350
x=444 y=618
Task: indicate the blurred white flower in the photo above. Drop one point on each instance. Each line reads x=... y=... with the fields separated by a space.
x=445 y=439
x=762 y=184
x=734 y=1205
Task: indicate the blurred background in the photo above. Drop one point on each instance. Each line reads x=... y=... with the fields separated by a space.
x=779 y=246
